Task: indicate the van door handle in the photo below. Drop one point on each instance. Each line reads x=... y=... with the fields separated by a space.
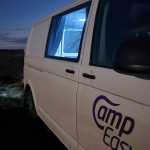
x=89 y=76
x=70 y=71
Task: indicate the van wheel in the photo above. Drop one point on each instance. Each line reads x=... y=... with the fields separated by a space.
x=29 y=106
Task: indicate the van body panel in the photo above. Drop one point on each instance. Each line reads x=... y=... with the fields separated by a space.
x=130 y=94
x=130 y=87
x=54 y=104
x=92 y=137
x=65 y=138
x=37 y=39
x=108 y=111
x=54 y=66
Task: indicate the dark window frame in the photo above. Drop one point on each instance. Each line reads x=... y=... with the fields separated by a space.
x=83 y=5
x=99 y=12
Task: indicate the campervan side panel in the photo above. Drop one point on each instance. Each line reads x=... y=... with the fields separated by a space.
x=38 y=37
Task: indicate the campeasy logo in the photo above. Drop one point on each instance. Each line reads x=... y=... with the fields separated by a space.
x=114 y=124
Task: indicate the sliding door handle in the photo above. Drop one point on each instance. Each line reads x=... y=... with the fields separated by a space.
x=70 y=71
x=89 y=76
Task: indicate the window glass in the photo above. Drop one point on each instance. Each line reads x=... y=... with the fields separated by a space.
x=115 y=22
x=66 y=34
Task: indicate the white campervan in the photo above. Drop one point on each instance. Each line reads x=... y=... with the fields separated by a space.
x=87 y=70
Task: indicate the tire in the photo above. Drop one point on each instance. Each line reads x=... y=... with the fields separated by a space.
x=29 y=106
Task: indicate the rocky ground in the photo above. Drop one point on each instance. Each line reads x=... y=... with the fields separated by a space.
x=18 y=130
x=11 y=94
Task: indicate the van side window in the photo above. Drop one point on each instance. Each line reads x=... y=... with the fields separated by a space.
x=117 y=21
x=66 y=34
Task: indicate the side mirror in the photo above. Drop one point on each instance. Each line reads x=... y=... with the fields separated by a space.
x=133 y=57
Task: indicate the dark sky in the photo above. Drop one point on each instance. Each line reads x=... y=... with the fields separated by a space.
x=17 y=17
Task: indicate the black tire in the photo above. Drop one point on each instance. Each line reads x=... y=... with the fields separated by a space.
x=29 y=106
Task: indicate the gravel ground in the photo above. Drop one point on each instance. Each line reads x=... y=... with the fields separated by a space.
x=18 y=130
x=11 y=94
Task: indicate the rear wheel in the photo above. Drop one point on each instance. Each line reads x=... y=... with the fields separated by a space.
x=29 y=103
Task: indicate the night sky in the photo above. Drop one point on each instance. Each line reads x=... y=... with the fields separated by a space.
x=17 y=17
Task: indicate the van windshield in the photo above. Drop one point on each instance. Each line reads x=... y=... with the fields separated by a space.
x=115 y=22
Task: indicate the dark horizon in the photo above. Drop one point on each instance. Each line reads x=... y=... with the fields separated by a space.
x=16 y=23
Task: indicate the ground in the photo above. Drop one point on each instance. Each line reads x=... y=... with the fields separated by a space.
x=18 y=130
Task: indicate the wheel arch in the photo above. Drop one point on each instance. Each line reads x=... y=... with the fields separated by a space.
x=29 y=86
